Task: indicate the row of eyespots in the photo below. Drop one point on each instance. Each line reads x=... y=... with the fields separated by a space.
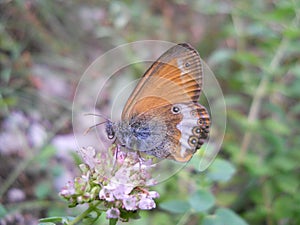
x=199 y=133
x=204 y=127
x=193 y=140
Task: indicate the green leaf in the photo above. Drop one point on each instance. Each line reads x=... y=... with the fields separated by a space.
x=295 y=69
x=280 y=13
x=126 y=215
x=223 y=217
x=228 y=217
x=277 y=127
x=292 y=32
x=46 y=153
x=3 y=211
x=43 y=190
x=284 y=163
x=233 y=100
x=175 y=206
x=221 y=170
x=246 y=58
x=221 y=55
x=156 y=218
x=113 y=221
x=285 y=207
x=212 y=220
x=201 y=201
x=47 y=223
x=288 y=184
x=8 y=101
x=55 y=220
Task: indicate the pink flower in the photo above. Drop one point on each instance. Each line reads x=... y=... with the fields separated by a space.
x=130 y=203
x=119 y=180
x=122 y=190
x=68 y=190
x=106 y=194
x=153 y=194
x=146 y=203
x=112 y=213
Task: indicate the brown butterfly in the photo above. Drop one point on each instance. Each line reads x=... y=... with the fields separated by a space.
x=162 y=117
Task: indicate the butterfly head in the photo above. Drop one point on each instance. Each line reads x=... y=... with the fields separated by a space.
x=109 y=128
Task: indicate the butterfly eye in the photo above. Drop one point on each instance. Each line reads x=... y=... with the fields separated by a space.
x=193 y=141
x=175 y=109
x=187 y=64
x=109 y=130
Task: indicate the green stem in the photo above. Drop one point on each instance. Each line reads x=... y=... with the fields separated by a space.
x=259 y=95
x=184 y=219
x=84 y=214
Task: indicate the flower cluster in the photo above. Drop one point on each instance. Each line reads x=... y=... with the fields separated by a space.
x=116 y=180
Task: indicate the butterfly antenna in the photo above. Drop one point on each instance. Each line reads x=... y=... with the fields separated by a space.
x=99 y=115
x=88 y=130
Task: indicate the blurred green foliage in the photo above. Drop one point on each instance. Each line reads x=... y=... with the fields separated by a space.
x=253 y=49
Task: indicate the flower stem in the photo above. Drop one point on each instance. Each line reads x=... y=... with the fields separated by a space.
x=184 y=219
x=80 y=217
x=259 y=95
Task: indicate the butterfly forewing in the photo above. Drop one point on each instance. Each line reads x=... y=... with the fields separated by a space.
x=176 y=76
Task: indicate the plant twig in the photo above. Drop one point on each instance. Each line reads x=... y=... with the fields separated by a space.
x=84 y=214
x=259 y=95
x=185 y=217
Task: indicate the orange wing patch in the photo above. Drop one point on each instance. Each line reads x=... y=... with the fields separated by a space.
x=176 y=77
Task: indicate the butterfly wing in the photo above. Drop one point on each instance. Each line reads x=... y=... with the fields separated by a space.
x=175 y=77
x=185 y=130
x=169 y=92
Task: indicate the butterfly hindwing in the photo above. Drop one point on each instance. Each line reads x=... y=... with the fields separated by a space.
x=186 y=130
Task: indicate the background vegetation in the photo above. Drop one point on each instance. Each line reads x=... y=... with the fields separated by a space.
x=253 y=49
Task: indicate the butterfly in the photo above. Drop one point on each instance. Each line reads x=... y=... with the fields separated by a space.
x=162 y=116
